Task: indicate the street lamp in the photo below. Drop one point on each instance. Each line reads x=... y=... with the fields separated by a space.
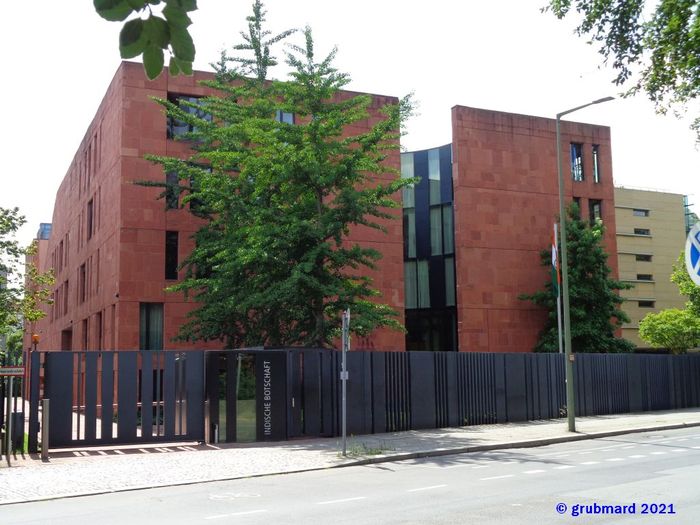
x=569 y=364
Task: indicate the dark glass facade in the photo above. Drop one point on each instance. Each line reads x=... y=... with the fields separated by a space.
x=429 y=266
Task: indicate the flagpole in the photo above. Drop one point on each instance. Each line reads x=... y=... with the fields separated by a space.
x=556 y=247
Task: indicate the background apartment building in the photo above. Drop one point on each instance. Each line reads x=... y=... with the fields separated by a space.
x=651 y=233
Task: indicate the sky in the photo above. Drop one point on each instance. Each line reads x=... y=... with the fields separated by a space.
x=501 y=55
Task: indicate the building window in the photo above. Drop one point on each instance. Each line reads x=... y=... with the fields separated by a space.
x=436 y=230
x=150 y=326
x=410 y=291
x=449 y=281
x=596 y=163
x=422 y=275
x=171 y=246
x=577 y=161
x=172 y=191
x=416 y=284
x=595 y=211
x=640 y=213
x=86 y=337
x=644 y=277
x=447 y=229
x=189 y=105
x=409 y=232
x=82 y=288
x=434 y=176
x=642 y=257
x=284 y=116
x=90 y=218
x=646 y=304
x=642 y=231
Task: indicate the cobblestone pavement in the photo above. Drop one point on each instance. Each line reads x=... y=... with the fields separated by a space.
x=99 y=470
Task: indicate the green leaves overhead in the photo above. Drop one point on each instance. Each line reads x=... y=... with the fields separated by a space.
x=656 y=46
x=152 y=35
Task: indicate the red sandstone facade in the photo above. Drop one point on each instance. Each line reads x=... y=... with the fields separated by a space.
x=107 y=245
x=505 y=202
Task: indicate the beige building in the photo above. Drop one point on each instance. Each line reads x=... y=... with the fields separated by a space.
x=650 y=237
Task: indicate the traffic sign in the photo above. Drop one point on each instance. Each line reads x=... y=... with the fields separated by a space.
x=692 y=253
x=12 y=371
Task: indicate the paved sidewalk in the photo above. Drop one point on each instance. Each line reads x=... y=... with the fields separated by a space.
x=96 y=471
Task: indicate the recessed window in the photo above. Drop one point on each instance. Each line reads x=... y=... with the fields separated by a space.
x=645 y=277
x=637 y=212
x=409 y=232
x=172 y=191
x=189 y=105
x=82 y=284
x=642 y=257
x=151 y=326
x=577 y=161
x=90 y=221
x=596 y=163
x=642 y=231
x=646 y=304
x=284 y=116
x=171 y=247
x=595 y=210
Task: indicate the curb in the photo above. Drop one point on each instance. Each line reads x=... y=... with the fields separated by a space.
x=381 y=459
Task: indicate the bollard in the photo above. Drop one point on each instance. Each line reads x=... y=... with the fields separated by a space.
x=44 y=430
x=207 y=423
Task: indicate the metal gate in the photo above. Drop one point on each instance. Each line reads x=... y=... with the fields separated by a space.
x=123 y=397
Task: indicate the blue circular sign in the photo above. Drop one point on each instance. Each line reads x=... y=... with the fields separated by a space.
x=692 y=253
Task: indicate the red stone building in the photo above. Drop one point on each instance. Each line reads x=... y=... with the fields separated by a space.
x=497 y=185
x=114 y=244
x=473 y=228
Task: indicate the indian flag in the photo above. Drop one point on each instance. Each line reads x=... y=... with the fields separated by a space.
x=556 y=279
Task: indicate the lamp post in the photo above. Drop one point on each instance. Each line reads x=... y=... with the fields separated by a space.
x=569 y=363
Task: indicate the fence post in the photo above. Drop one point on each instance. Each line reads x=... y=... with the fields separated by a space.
x=207 y=423
x=44 y=429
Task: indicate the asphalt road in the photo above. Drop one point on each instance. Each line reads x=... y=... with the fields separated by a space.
x=648 y=473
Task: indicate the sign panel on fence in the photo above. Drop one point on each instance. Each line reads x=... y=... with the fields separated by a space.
x=11 y=371
x=271 y=395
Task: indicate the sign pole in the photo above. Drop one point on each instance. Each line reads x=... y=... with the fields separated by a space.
x=8 y=424
x=344 y=375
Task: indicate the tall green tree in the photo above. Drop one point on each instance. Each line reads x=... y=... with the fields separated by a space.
x=653 y=45
x=282 y=176
x=594 y=302
x=21 y=300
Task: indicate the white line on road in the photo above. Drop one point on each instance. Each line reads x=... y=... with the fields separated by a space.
x=637 y=456
x=426 y=488
x=498 y=477
x=590 y=462
x=479 y=466
x=219 y=516
x=340 y=500
x=615 y=459
x=533 y=471
x=562 y=467
x=659 y=453
x=678 y=450
x=695 y=448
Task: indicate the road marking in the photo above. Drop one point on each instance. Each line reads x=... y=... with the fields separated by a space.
x=625 y=448
x=678 y=450
x=659 y=453
x=614 y=459
x=219 y=516
x=562 y=467
x=340 y=500
x=479 y=466
x=144 y=451
x=498 y=477
x=682 y=439
x=506 y=462
x=590 y=462
x=637 y=456
x=426 y=488
x=533 y=471
x=696 y=448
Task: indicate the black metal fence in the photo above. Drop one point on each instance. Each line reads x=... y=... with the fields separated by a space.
x=150 y=397
x=416 y=390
